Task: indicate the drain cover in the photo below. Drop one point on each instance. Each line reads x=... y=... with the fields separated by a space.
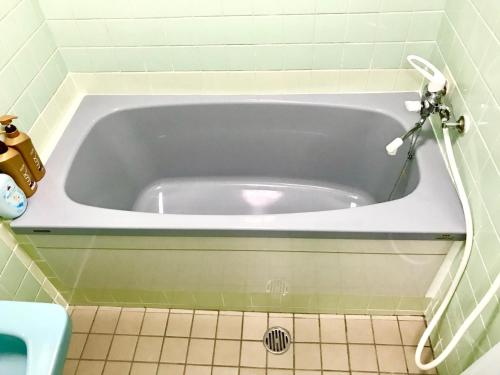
x=277 y=340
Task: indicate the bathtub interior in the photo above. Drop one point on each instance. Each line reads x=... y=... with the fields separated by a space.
x=239 y=159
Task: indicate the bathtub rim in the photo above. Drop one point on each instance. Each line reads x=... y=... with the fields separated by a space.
x=434 y=192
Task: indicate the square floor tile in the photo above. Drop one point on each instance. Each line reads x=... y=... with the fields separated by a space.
x=225 y=371
x=174 y=350
x=82 y=318
x=204 y=326
x=70 y=367
x=76 y=345
x=284 y=361
x=391 y=358
x=386 y=331
x=411 y=331
x=227 y=353
x=335 y=357
x=122 y=348
x=179 y=325
x=198 y=370
x=169 y=369
x=307 y=356
x=229 y=326
x=254 y=326
x=286 y=322
x=253 y=354
x=148 y=349
x=117 y=368
x=130 y=322
x=106 y=320
x=154 y=323
x=359 y=330
x=90 y=367
x=143 y=368
x=333 y=329
x=307 y=329
x=200 y=351
x=97 y=346
x=363 y=357
x=252 y=371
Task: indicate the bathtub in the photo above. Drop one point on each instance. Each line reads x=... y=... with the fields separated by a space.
x=165 y=200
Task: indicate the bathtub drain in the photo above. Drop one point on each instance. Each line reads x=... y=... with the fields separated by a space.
x=277 y=340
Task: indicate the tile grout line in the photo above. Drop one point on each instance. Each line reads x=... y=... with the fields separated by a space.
x=162 y=339
x=137 y=342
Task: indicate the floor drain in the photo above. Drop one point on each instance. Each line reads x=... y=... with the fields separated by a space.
x=277 y=340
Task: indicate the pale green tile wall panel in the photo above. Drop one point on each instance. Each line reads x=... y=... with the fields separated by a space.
x=469 y=44
x=90 y=35
x=31 y=70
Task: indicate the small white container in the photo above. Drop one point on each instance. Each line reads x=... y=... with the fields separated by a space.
x=13 y=202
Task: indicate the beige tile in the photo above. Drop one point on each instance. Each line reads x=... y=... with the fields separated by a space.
x=279 y=372
x=229 y=326
x=252 y=371
x=76 y=345
x=307 y=329
x=122 y=348
x=335 y=357
x=254 y=326
x=307 y=356
x=284 y=361
x=70 y=367
x=363 y=357
x=169 y=369
x=143 y=368
x=281 y=321
x=225 y=371
x=386 y=332
x=391 y=358
x=307 y=372
x=204 y=326
x=174 y=350
x=130 y=322
x=182 y=311
x=410 y=360
x=200 y=351
x=82 y=318
x=117 y=368
x=154 y=323
x=97 y=346
x=179 y=325
x=105 y=320
x=333 y=329
x=198 y=370
x=253 y=354
x=359 y=330
x=411 y=331
x=344 y=373
x=227 y=353
x=148 y=349
x=90 y=368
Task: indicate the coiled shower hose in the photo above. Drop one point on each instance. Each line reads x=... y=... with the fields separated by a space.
x=458 y=276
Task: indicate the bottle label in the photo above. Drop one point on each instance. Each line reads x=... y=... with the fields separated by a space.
x=36 y=159
x=27 y=176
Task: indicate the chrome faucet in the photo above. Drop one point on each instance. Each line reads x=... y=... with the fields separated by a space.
x=430 y=103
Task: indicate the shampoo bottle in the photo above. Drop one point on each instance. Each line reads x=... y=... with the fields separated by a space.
x=13 y=202
x=12 y=163
x=22 y=143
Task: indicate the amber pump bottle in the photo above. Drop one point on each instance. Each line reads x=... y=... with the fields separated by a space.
x=12 y=163
x=22 y=143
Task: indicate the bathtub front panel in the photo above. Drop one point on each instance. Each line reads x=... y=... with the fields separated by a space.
x=251 y=274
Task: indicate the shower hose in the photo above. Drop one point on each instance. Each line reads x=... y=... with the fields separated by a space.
x=458 y=276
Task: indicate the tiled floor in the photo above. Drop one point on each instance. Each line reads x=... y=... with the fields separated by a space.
x=114 y=341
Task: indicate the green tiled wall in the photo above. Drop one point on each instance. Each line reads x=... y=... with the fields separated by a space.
x=470 y=49
x=193 y=35
x=30 y=72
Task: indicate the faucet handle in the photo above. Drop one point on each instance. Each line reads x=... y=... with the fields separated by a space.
x=437 y=80
x=413 y=105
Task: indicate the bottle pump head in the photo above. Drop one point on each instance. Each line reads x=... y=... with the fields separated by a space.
x=10 y=128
